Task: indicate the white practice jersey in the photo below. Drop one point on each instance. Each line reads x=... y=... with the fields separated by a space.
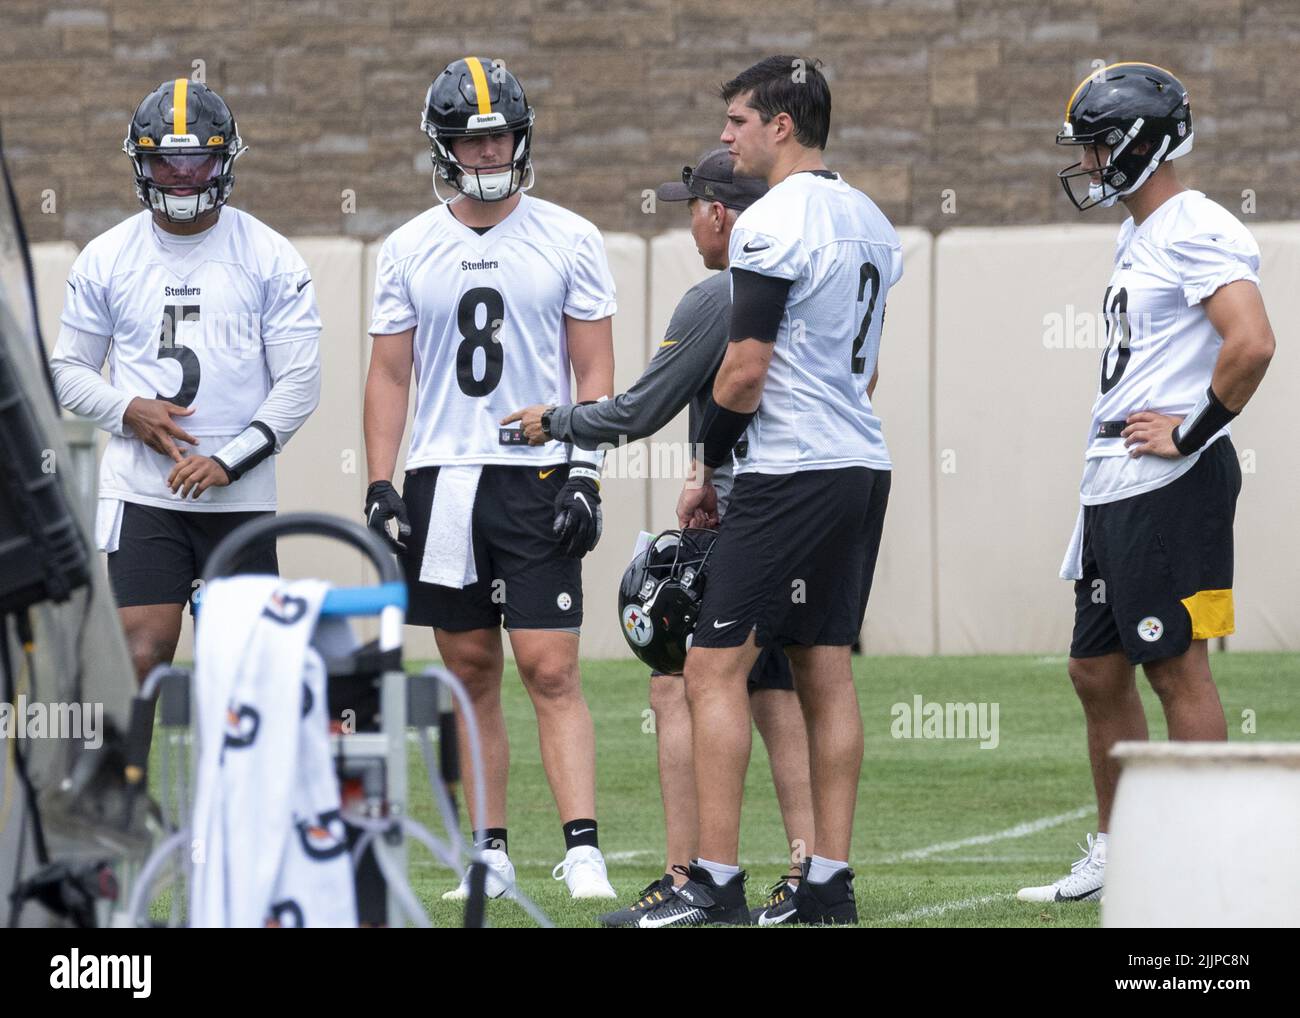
x=192 y=320
x=488 y=312
x=842 y=256
x=1162 y=347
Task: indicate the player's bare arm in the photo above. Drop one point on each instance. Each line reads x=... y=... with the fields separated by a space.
x=736 y=394
x=591 y=352
x=388 y=387
x=1237 y=313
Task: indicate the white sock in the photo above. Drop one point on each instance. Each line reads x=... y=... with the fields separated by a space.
x=719 y=871
x=821 y=869
x=1099 y=846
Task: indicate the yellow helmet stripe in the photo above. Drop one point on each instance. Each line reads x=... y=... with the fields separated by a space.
x=480 y=84
x=180 y=99
x=1123 y=63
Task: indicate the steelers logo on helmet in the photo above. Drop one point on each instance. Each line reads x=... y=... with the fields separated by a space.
x=637 y=626
x=474 y=98
x=1130 y=118
x=183 y=142
x=659 y=597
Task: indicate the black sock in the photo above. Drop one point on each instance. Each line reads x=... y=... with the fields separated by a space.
x=491 y=837
x=580 y=832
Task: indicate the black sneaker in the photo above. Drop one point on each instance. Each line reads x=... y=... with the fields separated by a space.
x=779 y=899
x=652 y=894
x=700 y=902
x=828 y=904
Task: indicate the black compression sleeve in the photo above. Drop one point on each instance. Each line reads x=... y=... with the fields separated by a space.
x=757 y=305
x=720 y=430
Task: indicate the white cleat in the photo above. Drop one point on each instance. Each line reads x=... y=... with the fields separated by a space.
x=583 y=869
x=500 y=878
x=1084 y=882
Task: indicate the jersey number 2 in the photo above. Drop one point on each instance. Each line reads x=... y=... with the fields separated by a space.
x=168 y=349
x=867 y=274
x=485 y=338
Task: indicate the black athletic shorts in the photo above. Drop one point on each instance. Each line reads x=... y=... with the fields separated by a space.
x=161 y=553
x=794 y=559
x=521 y=573
x=770 y=671
x=1157 y=567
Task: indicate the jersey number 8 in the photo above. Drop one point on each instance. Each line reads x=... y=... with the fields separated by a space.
x=485 y=337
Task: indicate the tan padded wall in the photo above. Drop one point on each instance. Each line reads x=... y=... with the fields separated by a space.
x=901 y=611
x=1011 y=416
x=1267 y=531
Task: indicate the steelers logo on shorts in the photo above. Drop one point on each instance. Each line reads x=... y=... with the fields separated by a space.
x=564 y=601
x=1151 y=629
x=637 y=625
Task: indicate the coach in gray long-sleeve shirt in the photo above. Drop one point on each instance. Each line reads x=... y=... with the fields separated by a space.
x=683 y=367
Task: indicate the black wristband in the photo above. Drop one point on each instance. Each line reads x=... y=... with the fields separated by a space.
x=238 y=456
x=1202 y=424
x=720 y=430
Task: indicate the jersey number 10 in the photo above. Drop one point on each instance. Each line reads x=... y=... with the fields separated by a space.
x=1119 y=334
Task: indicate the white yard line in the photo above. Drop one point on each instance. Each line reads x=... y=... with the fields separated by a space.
x=1019 y=831
x=930 y=911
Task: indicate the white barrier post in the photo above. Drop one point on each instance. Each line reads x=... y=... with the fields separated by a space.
x=1204 y=834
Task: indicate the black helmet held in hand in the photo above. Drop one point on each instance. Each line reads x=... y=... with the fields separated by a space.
x=659 y=597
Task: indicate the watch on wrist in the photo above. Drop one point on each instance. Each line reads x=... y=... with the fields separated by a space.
x=546 y=421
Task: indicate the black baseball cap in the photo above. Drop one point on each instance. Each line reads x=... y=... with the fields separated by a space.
x=712 y=180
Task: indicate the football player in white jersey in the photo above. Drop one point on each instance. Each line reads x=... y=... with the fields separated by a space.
x=490 y=297
x=208 y=321
x=812 y=262
x=1189 y=342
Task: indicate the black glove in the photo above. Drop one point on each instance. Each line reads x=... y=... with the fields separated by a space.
x=383 y=503
x=577 y=513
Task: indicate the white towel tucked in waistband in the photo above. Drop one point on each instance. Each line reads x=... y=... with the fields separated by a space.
x=1072 y=564
x=108 y=523
x=449 y=544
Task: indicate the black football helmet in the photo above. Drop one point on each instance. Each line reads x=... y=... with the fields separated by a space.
x=659 y=597
x=183 y=143
x=471 y=97
x=1119 y=108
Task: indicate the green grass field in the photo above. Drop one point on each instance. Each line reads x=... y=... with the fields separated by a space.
x=945 y=831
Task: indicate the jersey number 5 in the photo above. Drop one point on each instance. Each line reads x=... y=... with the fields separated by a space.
x=485 y=337
x=867 y=274
x=1119 y=333
x=168 y=349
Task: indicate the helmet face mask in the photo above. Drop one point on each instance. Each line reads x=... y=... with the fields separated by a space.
x=183 y=143
x=493 y=182
x=660 y=594
x=468 y=100
x=1138 y=115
